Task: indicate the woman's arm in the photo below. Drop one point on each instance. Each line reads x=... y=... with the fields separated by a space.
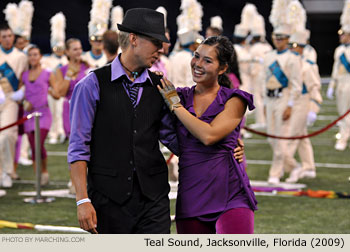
x=53 y=90
x=208 y=133
x=222 y=125
x=62 y=84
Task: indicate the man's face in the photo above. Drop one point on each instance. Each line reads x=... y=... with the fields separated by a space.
x=280 y=41
x=6 y=39
x=21 y=43
x=344 y=38
x=96 y=44
x=147 y=50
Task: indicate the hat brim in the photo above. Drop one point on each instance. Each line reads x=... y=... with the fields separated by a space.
x=149 y=34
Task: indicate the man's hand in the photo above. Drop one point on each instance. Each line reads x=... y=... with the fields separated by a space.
x=239 y=151
x=87 y=217
x=287 y=113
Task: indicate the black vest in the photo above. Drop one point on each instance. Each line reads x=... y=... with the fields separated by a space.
x=125 y=140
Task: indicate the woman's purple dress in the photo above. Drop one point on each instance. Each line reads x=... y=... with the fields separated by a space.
x=72 y=83
x=36 y=93
x=211 y=181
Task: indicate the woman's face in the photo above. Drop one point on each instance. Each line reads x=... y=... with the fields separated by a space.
x=205 y=65
x=34 y=57
x=74 y=51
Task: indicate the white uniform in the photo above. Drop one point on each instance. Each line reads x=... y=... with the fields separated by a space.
x=94 y=61
x=53 y=62
x=180 y=68
x=282 y=88
x=341 y=80
x=12 y=64
x=310 y=53
x=244 y=60
x=309 y=100
x=258 y=52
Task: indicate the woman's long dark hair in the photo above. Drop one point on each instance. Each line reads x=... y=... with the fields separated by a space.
x=225 y=55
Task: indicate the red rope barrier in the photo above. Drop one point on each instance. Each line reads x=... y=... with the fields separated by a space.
x=20 y=121
x=300 y=137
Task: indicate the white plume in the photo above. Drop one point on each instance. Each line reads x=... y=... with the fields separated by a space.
x=26 y=10
x=12 y=16
x=216 y=22
x=296 y=16
x=278 y=13
x=258 y=26
x=117 y=16
x=248 y=13
x=58 y=30
x=191 y=16
x=162 y=10
x=99 y=16
x=345 y=17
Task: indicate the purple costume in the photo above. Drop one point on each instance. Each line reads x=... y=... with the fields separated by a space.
x=36 y=94
x=72 y=83
x=211 y=181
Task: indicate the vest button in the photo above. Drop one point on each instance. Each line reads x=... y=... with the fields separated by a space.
x=129 y=178
x=135 y=131
x=128 y=193
x=131 y=162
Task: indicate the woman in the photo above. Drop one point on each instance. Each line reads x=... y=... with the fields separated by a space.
x=37 y=83
x=69 y=75
x=214 y=195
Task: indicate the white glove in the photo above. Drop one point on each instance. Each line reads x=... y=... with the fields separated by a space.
x=2 y=96
x=330 y=93
x=311 y=118
x=18 y=95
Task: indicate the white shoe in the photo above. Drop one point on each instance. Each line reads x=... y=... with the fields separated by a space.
x=294 y=175
x=257 y=126
x=307 y=174
x=6 y=181
x=247 y=135
x=273 y=180
x=44 y=179
x=53 y=141
x=25 y=161
x=340 y=146
x=62 y=139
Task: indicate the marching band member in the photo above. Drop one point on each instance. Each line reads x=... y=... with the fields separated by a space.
x=52 y=62
x=341 y=78
x=307 y=106
x=283 y=86
x=99 y=17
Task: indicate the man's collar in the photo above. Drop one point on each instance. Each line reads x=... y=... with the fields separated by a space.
x=6 y=51
x=118 y=71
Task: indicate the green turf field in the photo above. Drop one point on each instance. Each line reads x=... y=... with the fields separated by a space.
x=275 y=214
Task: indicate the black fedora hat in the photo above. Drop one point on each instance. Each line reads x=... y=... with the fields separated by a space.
x=144 y=21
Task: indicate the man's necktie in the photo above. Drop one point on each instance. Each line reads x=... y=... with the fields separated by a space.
x=133 y=93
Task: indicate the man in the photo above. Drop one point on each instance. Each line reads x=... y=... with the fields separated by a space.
x=52 y=62
x=12 y=64
x=305 y=107
x=341 y=78
x=99 y=17
x=259 y=48
x=117 y=118
x=110 y=45
x=283 y=83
